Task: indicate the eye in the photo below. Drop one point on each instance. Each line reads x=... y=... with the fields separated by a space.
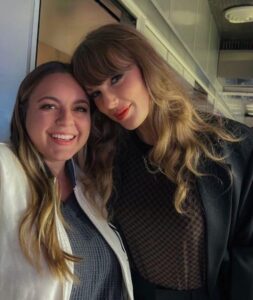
x=82 y=109
x=116 y=78
x=94 y=95
x=47 y=106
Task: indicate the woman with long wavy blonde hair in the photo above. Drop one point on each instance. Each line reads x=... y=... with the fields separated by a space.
x=55 y=243
x=176 y=182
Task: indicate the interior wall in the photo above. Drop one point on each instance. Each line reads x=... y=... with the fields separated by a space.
x=47 y=53
x=192 y=21
x=63 y=24
x=16 y=31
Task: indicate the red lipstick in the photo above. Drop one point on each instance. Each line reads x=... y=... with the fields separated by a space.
x=120 y=115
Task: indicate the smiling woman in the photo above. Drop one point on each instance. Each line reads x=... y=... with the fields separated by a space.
x=55 y=243
x=179 y=183
x=121 y=100
x=63 y=110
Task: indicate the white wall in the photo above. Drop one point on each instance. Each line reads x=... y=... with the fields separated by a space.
x=184 y=31
x=16 y=28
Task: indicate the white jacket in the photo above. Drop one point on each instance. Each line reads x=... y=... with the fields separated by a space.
x=19 y=280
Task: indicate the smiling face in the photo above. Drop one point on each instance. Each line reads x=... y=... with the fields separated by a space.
x=123 y=98
x=58 y=118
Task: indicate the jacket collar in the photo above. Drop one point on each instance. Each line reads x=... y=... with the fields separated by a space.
x=71 y=171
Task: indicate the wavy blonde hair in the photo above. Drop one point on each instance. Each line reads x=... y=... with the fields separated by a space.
x=37 y=231
x=182 y=134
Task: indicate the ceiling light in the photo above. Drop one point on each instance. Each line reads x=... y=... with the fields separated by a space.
x=239 y=14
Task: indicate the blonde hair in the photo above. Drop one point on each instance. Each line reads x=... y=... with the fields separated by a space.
x=182 y=135
x=37 y=231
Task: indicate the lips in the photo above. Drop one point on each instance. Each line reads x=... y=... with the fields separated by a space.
x=121 y=114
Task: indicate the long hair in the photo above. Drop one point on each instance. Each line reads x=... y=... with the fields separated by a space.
x=37 y=231
x=182 y=134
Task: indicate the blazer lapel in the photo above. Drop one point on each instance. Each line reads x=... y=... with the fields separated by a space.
x=215 y=192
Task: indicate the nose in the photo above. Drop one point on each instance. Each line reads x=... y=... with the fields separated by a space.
x=65 y=117
x=110 y=100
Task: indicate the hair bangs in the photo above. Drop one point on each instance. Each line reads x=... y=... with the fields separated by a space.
x=96 y=64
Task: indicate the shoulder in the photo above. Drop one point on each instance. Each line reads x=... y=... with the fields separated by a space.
x=238 y=129
x=242 y=134
x=7 y=156
x=5 y=149
x=9 y=162
x=243 y=148
x=13 y=182
x=238 y=154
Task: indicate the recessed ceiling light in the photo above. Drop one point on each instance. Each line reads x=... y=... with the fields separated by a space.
x=239 y=14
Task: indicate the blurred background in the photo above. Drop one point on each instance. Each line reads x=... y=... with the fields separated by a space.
x=207 y=42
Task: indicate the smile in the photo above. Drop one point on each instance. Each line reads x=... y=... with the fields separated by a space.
x=64 y=137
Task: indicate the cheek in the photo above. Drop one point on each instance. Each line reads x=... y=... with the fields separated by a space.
x=32 y=119
x=84 y=126
x=145 y=98
x=36 y=128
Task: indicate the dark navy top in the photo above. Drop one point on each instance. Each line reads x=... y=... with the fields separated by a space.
x=98 y=271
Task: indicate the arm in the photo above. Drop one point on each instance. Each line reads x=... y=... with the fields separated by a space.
x=241 y=285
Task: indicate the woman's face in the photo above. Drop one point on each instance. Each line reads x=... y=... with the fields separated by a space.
x=58 y=118
x=123 y=98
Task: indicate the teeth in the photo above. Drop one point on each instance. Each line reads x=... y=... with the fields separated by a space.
x=63 y=136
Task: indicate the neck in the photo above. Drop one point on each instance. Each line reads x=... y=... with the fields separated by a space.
x=63 y=181
x=64 y=185
x=57 y=168
x=146 y=133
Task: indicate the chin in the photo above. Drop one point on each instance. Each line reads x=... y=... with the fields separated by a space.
x=61 y=157
x=129 y=127
x=132 y=125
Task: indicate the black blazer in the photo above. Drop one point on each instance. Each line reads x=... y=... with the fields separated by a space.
x=229 y=219
x=228 y=208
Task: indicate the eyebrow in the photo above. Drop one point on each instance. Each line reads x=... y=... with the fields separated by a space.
x=57 y=100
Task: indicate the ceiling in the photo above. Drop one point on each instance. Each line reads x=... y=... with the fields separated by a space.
x=227 y=30
x=235 y=69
